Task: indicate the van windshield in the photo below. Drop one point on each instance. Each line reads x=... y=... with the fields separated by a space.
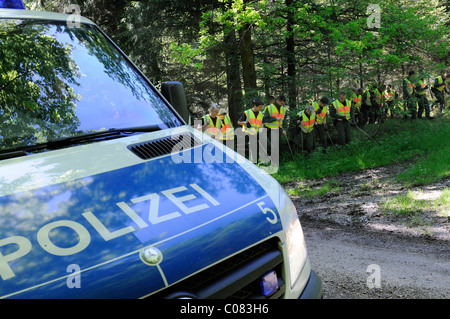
x=59 y=81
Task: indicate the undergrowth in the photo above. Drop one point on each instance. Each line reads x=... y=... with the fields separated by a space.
x=424 y=146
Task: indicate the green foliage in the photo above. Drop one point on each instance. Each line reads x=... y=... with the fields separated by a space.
x=36 y=97
x=423 y=141
x=328 y=187
x=333 y=48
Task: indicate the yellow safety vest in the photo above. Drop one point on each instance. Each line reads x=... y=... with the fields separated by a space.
x=321 y=116
x=368 y=101
x=307 y=124
x=255 y=122
x=422 y=85
x=274 y=113
x=357 y=99
x=440 y=81
x=389 y=96
x=341 y=109
x=378 y=96
x=211 y=129
x=410 y=86
x=226 y=130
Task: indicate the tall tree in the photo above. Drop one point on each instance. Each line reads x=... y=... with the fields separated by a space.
x=290 y=53
x=246 y=49
x=234 y=84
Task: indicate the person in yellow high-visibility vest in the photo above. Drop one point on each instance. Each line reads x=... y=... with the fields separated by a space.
x=340 y=112
x=226 y=128
x=356 y=111
x=377 y=101
x=390 y=95
x=305 y=121
x=251 y=121
x=275 y=113
x=438 y=88
x=422 y=101
x=210 y=124
x=274 y=119
x=408 y=95
x=321 y=109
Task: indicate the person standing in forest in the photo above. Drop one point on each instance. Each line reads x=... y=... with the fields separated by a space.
x=305 y=122
x=357 y=115
x=251 y=121
x=438 y=88
x=210 y=124
x=377 y=101
x=366 y=106
x=274 y=119
x=321 y=108
x=340 y=113
x=422 y=101
x=408 y=95
x=390 y=95
x=226 y=134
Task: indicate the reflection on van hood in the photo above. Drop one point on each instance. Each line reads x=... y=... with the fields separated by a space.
x=82 y=238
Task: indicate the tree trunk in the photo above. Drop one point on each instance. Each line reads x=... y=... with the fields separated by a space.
x=361 y=83
x=248 y=63
x=290 y=48
x=247 y=59
x=234 y=85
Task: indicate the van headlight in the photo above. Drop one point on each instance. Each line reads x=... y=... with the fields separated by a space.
x=296 y=248
x=295 y=242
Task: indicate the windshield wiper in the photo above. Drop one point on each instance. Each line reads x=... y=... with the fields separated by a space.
x=112 y=132
x=71 y=140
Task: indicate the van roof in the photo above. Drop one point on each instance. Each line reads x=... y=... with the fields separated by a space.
x=39 y=15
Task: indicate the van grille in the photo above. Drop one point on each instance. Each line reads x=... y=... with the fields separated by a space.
x=237 y=277
x=164 y=146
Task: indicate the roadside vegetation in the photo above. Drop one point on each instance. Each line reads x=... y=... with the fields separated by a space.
x=416 y=208
x=424 y=146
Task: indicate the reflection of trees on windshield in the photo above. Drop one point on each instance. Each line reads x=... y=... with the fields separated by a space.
x=37 y=101
x=112 y=61
x=119 y=70
x=57 y=81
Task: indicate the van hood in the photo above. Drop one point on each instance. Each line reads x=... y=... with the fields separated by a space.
x=85 y=237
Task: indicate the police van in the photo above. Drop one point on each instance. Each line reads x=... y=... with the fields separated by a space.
x=107 y=192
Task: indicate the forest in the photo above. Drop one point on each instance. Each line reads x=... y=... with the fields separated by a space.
x=232 y=51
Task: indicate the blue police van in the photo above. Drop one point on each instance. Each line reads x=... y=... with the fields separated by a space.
x=107 y=192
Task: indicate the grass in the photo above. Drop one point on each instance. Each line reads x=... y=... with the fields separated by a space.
x=330 y=186
x=425 y=143
x=416 y=209
x=422 y=145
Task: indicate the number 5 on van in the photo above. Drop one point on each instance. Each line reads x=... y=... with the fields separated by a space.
x=266 y=210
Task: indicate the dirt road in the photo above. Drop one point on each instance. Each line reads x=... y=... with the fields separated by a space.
x=355 y=263
x=359 y=251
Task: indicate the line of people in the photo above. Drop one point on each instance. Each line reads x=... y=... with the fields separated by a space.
x=310 y=124
x=414 y=94
x=217 y=124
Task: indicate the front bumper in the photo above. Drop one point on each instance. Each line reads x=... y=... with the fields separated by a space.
x=313 y=288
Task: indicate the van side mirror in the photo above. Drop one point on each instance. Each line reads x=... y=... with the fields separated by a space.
x=174 y=93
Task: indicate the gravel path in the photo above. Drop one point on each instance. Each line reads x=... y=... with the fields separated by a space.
x=357 y=263
x=359 y=251
x=359 y=197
